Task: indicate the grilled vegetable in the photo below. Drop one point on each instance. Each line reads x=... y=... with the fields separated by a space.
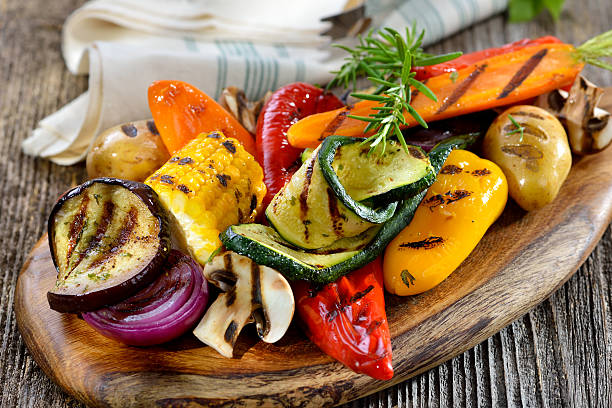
x=347 y=320
x=307 y=213
x=530 y=146
x=251 y=293
x=132 y=151
x=266 y=247
x=286 y=105
x=244 y=111
x=466 y=60
x=588 y=127
x=181 y=112
x=468 y=196
x=324 y=200
x=492 y=82
x=355 y=176
x=327 y=264
x=108 y=239
x=208 y=185
x=162 y=311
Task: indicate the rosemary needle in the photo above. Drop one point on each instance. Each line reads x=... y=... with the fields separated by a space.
x=386 y=59
x=518 y=128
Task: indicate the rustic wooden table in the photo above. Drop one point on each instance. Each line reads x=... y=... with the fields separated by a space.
x=558 y=354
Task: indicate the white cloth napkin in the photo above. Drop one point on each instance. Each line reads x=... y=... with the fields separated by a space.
x=125 y=45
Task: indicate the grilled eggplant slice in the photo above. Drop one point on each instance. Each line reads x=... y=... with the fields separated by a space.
x=108 y=239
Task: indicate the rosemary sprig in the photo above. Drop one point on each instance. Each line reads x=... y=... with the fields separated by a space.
x=518 y=128
x=387 y=58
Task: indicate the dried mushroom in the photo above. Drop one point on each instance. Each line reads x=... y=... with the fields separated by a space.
x=251 y=293
x=589 y=128
x=246 y=112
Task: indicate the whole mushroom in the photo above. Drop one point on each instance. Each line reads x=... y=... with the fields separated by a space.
x=589 y=128
x=251 y=293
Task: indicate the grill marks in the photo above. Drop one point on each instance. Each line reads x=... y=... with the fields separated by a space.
x=229 y=145
x=128 y=225
x=449 y=197
x=427 y=243
x=462 y=88
x=230 y=333
x=361 y=294
x=256 y=299
x=450 y=169
x=304 y=197
x=76 y=227
x=152 y=128
x=223 y=179
x=456 y=195
x=481 y=172
x=253 y=204
x=129 y=130
x=259 y=313
x=334 y=213
x=523 y=73
x=107 y=215
x=342 y=304
x=336 y=122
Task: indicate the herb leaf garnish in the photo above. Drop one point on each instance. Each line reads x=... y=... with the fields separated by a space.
x=387 y=58
x=518 y=128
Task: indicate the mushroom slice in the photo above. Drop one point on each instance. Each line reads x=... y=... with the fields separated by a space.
x=250 y=293
x=246 y=112
x=589 y=129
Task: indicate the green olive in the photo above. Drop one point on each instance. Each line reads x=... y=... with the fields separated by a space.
x=531 y=147
x=131 y=151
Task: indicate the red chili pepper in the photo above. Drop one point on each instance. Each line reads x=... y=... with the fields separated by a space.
x=285 y=107
x=470 y=59
x=347 y=320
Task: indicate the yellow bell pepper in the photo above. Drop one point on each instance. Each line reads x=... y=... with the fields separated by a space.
x=469 y=194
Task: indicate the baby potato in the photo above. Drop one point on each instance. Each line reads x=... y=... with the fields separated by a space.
x=535 y=160
x=131 y=151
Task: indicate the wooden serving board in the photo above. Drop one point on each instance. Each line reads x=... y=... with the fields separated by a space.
x=522 y=259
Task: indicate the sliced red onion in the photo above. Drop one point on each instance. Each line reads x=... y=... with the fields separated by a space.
x=162 y=311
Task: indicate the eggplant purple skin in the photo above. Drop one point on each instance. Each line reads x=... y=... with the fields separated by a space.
x=91 y=301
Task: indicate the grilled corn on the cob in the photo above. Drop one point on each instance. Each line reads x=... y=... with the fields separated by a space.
x=208 y=185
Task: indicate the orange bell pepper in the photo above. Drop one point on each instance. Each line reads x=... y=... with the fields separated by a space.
x=469 y=194
x=496 y=81
x=181 y=112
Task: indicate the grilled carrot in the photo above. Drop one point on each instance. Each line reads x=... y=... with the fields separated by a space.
x=492 y=82
x=469 y=59
x=181 y=112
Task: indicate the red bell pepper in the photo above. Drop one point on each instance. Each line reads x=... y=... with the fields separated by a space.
x=285 y=107
x=466 y=60
x=347 y=320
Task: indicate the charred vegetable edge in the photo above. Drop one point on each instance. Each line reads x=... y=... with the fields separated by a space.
x=386 y=202
x=96 y=299
x=295 y=271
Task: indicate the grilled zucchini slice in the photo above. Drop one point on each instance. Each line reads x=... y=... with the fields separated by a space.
x=263 y=245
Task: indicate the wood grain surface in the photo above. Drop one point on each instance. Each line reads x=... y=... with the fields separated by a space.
x=521 y=260
x=558 y=354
